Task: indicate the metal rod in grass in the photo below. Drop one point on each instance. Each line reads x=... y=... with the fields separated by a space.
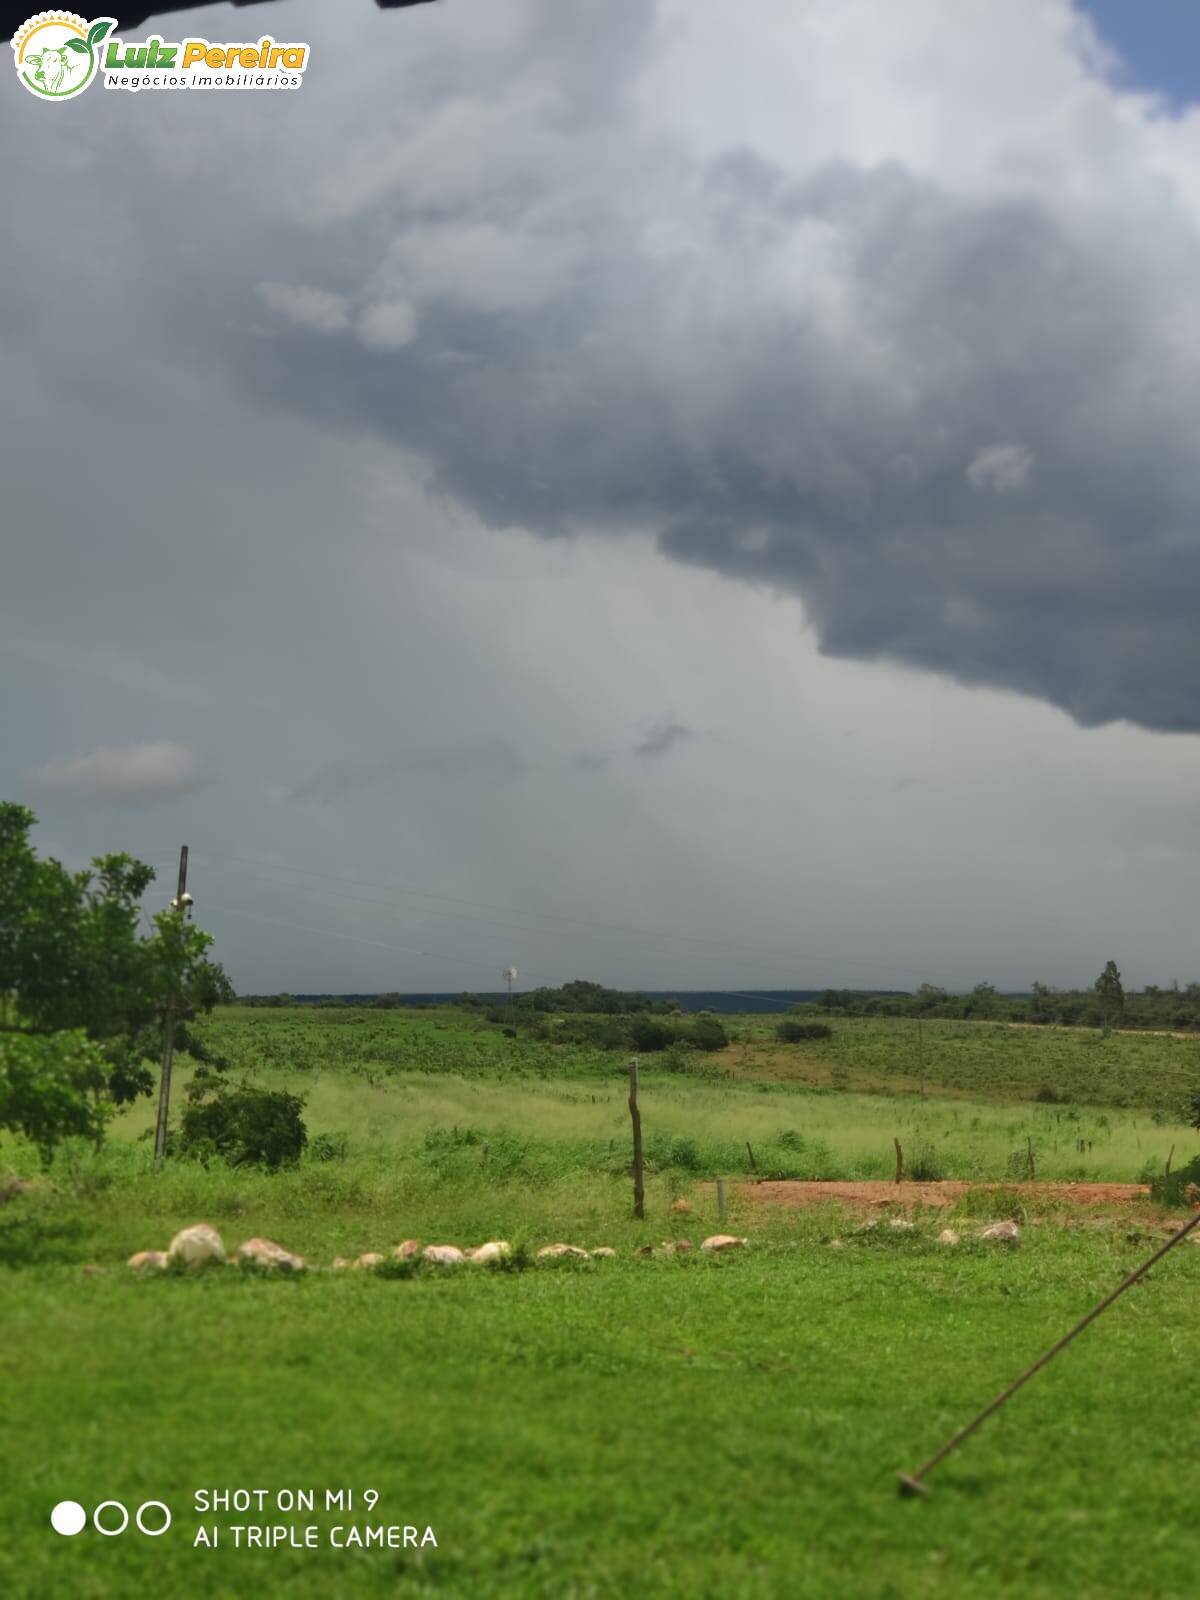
x=913 y=1483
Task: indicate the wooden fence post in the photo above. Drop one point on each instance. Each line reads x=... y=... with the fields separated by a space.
x=639 y=1186
x=721 y=1198
x=899 y=1161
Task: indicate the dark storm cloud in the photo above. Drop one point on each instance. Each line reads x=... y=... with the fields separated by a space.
x=960 y=429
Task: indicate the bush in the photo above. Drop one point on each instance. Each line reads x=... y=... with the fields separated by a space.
x=1048 y=1096
x=707 y=1034
x=242 y=1125
x=667 y=1150
x=647 y=1035
x=329 y=1147
x=603 y=1033
x=791 y=1032
x=924 y=1166
x=1174 y=1190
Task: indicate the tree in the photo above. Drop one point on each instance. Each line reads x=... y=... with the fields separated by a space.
x=52 y=1087
x=73 y=960
x=1110 y=994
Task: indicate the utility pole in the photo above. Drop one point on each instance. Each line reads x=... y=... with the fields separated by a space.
x=180 y=903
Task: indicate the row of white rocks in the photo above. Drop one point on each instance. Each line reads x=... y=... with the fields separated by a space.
x=1003 y=1232
x=201 y=1246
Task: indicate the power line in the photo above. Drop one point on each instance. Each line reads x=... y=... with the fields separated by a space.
x=626 y=930
x=537 y=935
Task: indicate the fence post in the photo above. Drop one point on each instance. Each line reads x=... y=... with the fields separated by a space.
x=721 y=1198
x=639 y=1186
x=899 y=1161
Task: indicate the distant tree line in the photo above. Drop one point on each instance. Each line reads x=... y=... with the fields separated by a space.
x=1107 y=1004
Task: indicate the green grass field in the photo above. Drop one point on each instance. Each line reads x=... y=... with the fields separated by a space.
x=671 y=1426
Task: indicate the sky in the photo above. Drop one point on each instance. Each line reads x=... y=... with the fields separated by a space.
x=591 y=486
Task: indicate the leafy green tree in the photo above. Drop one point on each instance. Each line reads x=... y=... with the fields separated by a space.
x=52 y=1087
x=73 y=958
x=1110 y=994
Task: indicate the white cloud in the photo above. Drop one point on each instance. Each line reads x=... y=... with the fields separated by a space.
x=390 y=325
x=316 y=309
x=136 y=774
x=1001 y=468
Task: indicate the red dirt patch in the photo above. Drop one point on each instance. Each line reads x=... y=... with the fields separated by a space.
x=883 y=1193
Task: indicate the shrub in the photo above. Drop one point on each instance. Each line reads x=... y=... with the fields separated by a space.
x=1173 y=1190
x=1048 y=1096
x=924 y=1166
x=707 y=1034
x=647 y=1035
x=242 y=1125
x=792 y=1032
x=668 y=1150
x=604 y=1033
x=329 y=1147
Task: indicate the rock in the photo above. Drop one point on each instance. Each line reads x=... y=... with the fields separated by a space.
x=491 y=1253
x=560 y=1252
x=1006 y=1232
x=947 y=1236
x=723 y=1241
x=681 y=1207
x=603 y=1252
x=149 y=1261
x=198 y=1246
x=368 y=1260
x=836 y=1244
x=443 y=1255
x=339 y=1264
x=672 y=1247
x=407 y=1250
x=267 y=1256
x=900 y=1225
x=644 y=1250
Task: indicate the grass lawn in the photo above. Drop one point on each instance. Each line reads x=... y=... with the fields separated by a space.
x=724 y=1428
x=670 y=1426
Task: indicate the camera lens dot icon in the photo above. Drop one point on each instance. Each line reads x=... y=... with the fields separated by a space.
x=68 y=1517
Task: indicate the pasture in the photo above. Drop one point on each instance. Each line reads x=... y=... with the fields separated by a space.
x=679 y=1425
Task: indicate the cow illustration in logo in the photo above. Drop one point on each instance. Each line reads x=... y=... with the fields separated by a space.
x=56 y=53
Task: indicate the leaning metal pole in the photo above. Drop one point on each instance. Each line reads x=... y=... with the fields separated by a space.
x=913 y=1483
